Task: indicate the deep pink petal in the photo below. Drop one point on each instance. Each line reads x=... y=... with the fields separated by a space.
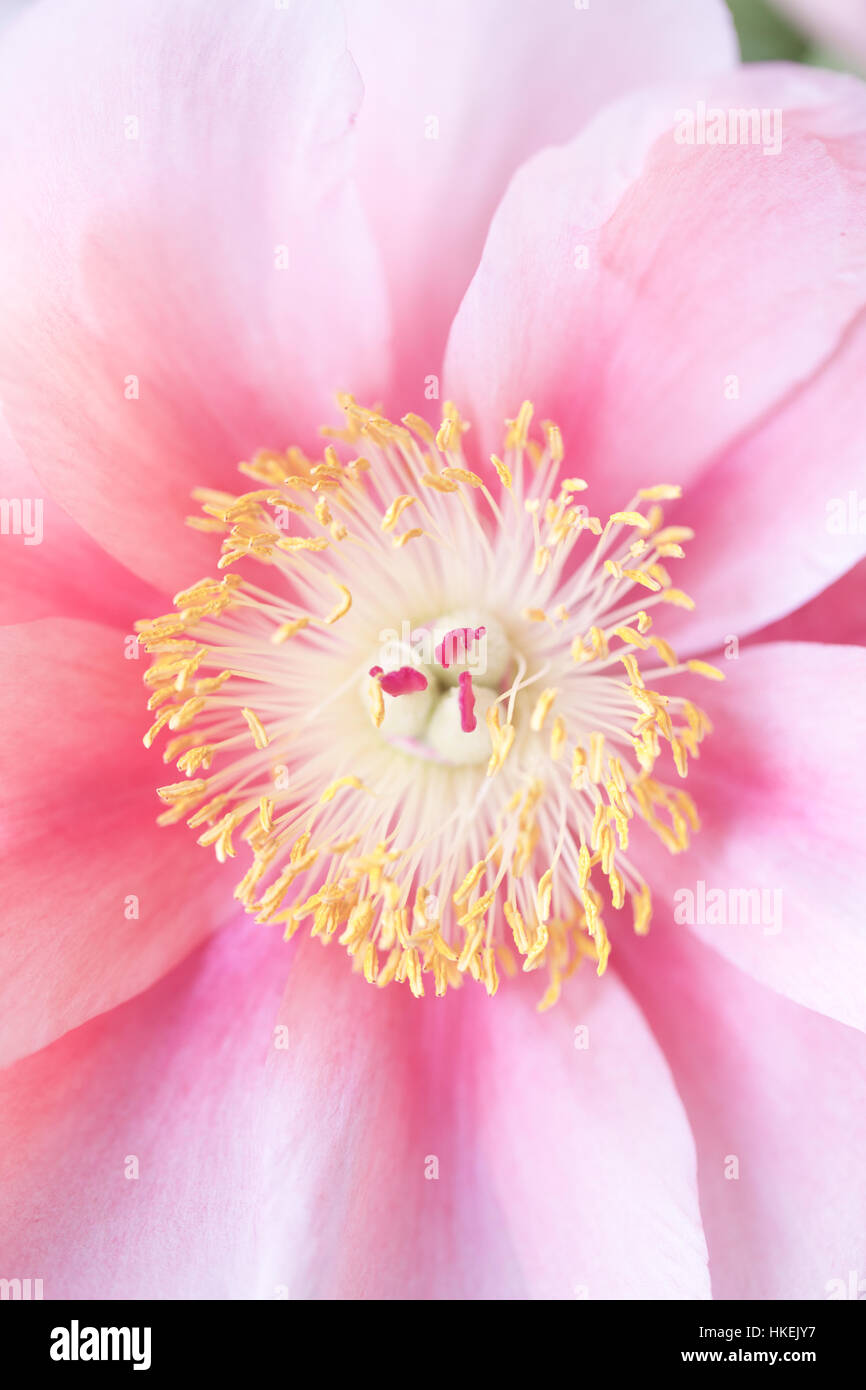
x=98 y=901
x=186 y=273
x=131 y=1158
x=51 y=567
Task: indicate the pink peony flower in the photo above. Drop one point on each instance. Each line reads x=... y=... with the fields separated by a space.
x=444 y=682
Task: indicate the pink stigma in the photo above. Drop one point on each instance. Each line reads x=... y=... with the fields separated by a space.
x=405 y=681
x=456 y=643
x=466 y=702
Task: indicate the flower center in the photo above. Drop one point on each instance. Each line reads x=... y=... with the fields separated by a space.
x=437 y=724
x=439 y=680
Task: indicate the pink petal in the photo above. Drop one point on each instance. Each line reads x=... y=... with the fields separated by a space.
x=561 y=1173
x=167 y=1082
x=457 y=95
x=167 y=162
x=776 y=1088
x=704 y=262
x=303 y=1175
x=782 y=807
x=51 y=567
x=373 y=1091
x=80 y=843
x=777 y=516
x=837 y=614
x=588 y=1150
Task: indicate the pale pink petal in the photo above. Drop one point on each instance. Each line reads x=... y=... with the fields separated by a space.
x=837 y=614
x=594 y=1141
x=773 y=1093
x=186 y=273
x=777 y=517
x=82 y=853
x=463 y=1148
x=704 y=263
x=131 y=1161
x=51 y=567
x=782 y=808
x=374 y=1186
x=457 y=95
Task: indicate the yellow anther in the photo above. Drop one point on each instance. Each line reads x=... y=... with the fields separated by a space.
x=518 y=927
x=503 y=473
x=642 y=907
x=557 y=738
x=287 y=630
x=488 y=971
x=377 y=702
x=396 y=510
x=703 y=668
x=631 y=519
x=662 y=492
x=631 y=666
x=478 y=908
x=257 y=728
x=677 y=598
x=502 y=749
x=293 y=543
x=544 y=895
x=195 y=758
x=333 y=787
x=553 y=435
x=518 y=429
x=182 y=791
x=631 y=634
x=578 y=767
x=542 y=708
x=646 y=580
x=671 y=535
x=438 y=483
x=617 y=888
x=469 y=881
x=411 y=535
x=596 y=754
x=462 y=475
x=342 y=607
x=420 y=427
x=665 y=651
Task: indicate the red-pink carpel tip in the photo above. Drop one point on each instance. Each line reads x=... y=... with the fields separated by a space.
x=466 y=702
x=456 y=643
x=404 y=681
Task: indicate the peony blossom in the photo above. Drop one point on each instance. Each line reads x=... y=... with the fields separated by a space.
x=433 y=872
